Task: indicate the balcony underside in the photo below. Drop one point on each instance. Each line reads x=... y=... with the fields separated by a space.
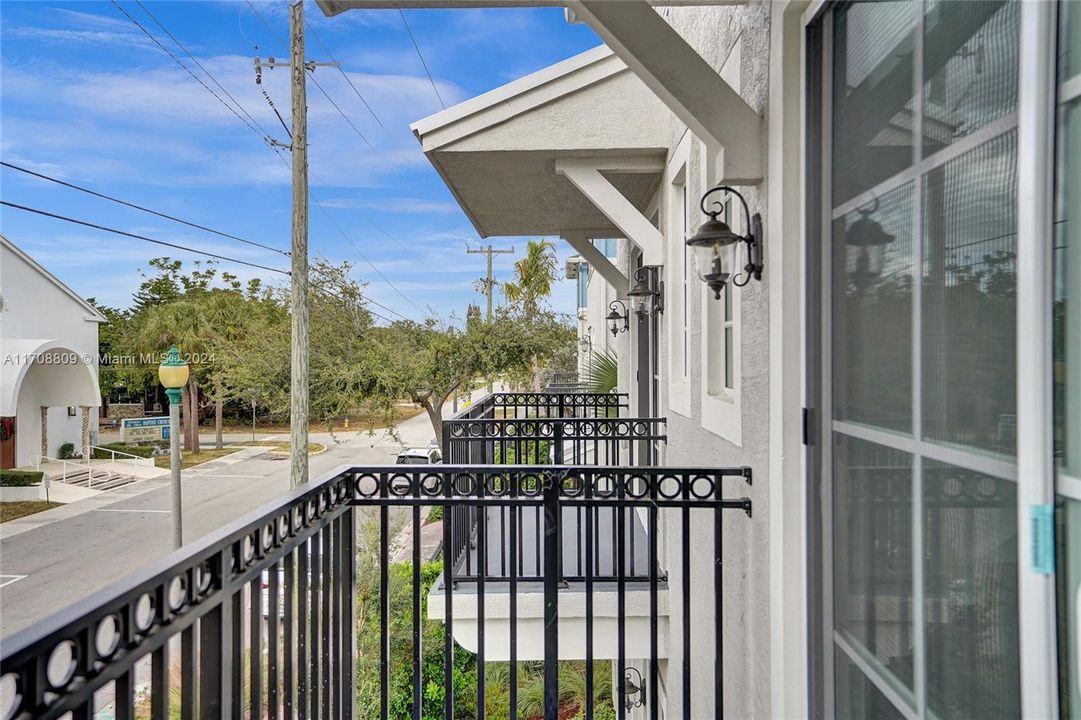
x=529 y=552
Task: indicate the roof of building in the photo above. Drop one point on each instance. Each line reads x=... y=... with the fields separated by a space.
x=93 y=313
x=497 y=152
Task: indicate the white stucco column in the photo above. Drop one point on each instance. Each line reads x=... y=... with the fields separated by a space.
x=44 y=430
x=86 y=432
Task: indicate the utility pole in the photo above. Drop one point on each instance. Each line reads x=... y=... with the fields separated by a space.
x=298 y=146
x=489 y=281
x=298 y=387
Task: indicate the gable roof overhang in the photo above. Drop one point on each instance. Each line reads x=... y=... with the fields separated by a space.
x=498 y=153
x=92 y=313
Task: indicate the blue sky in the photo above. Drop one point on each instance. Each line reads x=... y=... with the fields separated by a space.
x=87 y=97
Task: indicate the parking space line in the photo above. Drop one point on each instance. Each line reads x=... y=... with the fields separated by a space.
x=6 y=580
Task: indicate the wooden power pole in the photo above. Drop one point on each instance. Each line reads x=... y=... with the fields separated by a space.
x=489 y=281
x=298 y=389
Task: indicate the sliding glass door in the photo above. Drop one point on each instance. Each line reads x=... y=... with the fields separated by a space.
x=1067 y=359
x=918 y=359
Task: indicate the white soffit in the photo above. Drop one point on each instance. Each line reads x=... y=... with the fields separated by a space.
x=497 y=152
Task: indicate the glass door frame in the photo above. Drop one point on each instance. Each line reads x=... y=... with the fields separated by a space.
x=1034 y=470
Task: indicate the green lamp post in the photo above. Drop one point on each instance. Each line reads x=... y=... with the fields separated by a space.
x=173 y=373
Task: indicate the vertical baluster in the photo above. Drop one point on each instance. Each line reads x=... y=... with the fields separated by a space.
x=515 y=567
x=482 y=571
x=255 y=641
x=314 y=650
x=621 y=589
x=336 y=679
x=187 y=673
x=236 y=653
x=282 y=602
x=326 y=615
x=303 y=578
x=212 y=626
x=718 y=593
x=159 y=683
x=384 y=606
x=275 y=615
x=654 y=669
x=685 y=551
x=551 y=598
x=124 y=696
x=349 y=627
x=417 y=589
x=448 y=598
x=590 y=516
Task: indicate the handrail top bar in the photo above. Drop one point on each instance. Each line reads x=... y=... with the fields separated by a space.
x=116 y=452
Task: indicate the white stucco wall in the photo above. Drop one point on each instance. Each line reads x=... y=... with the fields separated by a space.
x=35 y=306
x=714 y=32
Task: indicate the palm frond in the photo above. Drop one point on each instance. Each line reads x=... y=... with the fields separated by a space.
x=602 y=375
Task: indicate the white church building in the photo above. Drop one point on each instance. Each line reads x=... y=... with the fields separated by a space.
x=48 y=362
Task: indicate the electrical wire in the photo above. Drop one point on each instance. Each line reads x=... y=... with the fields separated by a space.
x=345 y=75
x=421 y=56
x=201 y=67
x=138 y=207
x=104 y=228
x=265 y=137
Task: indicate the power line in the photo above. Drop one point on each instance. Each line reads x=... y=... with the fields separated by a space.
x=186 y=69
x=265 y=137
x=421 y=56
x=138 y=207
x=140 y=237
x=201 y=67
x=345 y=75
x=346 y=118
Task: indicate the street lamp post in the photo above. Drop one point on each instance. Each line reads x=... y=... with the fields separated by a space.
x=173 y=373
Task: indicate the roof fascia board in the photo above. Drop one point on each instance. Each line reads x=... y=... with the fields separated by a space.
x=92 y=313
x=517 y=97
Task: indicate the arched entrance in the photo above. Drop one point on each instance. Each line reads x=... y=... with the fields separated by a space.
x=47 y=391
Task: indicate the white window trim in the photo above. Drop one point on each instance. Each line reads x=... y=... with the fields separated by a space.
x=679 y=386
x=722 y=413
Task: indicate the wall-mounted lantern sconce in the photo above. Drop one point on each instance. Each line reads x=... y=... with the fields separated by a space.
x=710 y=246
x=865 y=251
x=634 y=689
x=615 y=317
x=647 y=295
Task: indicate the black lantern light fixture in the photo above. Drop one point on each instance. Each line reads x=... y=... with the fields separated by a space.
x=647 y=294
x=633 y=689
x=865 y=251
x=710 y=245
x=615 y=316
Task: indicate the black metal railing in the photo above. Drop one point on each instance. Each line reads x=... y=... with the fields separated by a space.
x=548 y=429
x=265 y=612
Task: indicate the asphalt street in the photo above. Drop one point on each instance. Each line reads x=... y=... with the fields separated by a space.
x=100 y=540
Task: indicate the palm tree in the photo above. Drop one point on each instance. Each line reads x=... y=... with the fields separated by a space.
x=534 y=275
x=184 y=323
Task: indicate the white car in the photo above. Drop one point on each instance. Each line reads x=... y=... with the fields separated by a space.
x=419 y=456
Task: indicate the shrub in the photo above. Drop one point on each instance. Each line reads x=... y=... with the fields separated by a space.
x=143 y=451
x=20 y=478
x=67 y=451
